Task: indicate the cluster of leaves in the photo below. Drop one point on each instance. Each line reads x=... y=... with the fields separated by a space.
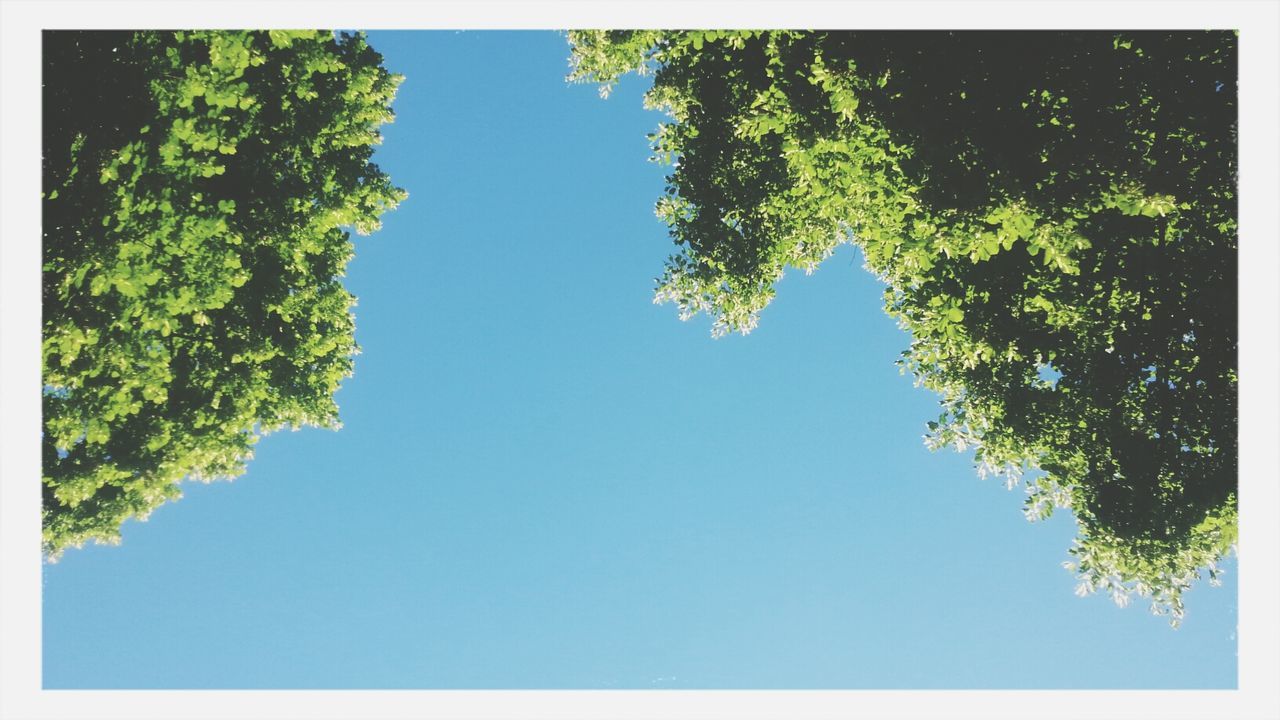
x=196 y=190
x=1054 y=217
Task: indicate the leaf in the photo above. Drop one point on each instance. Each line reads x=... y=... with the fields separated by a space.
x=176 y=284
x=931 y=189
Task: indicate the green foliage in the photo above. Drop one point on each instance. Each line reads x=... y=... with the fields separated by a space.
x=1053 y=215
x=197 y=187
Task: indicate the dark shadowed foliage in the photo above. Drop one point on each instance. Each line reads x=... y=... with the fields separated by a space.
x=197 y=187
x=1054 y=216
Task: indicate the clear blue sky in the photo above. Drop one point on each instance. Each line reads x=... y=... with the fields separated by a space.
x=545 y=481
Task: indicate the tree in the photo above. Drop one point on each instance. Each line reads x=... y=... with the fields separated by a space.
x=197 y=187
x=1053 y=215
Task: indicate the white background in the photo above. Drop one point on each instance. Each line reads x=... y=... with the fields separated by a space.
x=1258 y=695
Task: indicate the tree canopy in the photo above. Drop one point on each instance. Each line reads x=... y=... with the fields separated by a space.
x=1053 y=215
x=198 y=187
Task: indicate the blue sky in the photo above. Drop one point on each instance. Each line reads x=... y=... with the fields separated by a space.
x=546 y=481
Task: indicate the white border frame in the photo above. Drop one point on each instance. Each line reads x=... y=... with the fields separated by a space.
x=21 y=695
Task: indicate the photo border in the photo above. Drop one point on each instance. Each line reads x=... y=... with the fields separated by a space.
x=21 y=694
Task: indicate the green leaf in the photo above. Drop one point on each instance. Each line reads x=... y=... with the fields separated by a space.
x=166 y=273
